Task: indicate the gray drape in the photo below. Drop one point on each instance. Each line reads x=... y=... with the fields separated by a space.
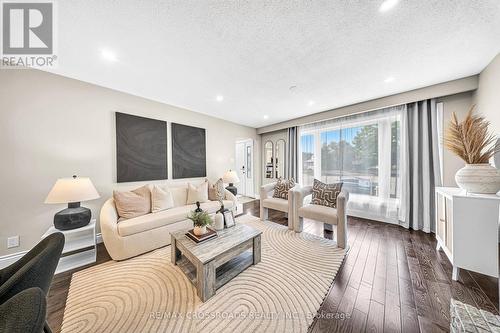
x=421 y=174
x=292 y=165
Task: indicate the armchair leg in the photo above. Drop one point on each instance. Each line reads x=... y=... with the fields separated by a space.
x=291 y=221
x=341 y=237
x=263 y=213
x=299 y=224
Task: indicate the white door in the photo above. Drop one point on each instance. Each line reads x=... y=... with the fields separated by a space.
x=240 y=167
x=244 y=167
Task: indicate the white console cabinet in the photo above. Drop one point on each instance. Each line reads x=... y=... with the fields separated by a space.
x=467 y=230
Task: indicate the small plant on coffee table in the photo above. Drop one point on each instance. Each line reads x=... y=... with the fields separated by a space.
x=200 y=221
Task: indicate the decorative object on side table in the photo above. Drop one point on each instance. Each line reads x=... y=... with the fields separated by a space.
x=231 y=177
x=201 y=219
x=470 y=140
x=72 y=191
x=219 y=218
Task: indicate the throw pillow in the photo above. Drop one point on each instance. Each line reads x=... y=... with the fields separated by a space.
x=130 y=204
x=197 y=193
x=216 y=191
x=282 y=187
x=161 y=199
x=325 y=194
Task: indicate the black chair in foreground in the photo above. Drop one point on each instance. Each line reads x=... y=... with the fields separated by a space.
x=24 y=312
x=35 y=269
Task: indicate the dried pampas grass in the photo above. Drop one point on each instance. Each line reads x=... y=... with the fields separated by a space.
x=470 y=139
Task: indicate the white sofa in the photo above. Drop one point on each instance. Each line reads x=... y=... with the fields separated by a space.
x=268 y=202
x=129 y=238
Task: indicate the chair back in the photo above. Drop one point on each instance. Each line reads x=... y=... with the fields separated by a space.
x=35 y=269
x=24 y=312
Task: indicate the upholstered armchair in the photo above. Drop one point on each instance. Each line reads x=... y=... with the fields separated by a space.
x=34 y=270
x=334 y=216
x=24 y=312
x=267 y=201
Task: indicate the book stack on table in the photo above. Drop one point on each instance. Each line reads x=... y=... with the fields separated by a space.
x=198 y=239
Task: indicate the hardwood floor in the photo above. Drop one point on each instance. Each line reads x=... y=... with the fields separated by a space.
x=392 y=280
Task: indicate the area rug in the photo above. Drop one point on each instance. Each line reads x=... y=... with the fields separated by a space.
x=148 y=294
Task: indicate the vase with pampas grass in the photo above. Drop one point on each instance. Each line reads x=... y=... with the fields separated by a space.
x=471 y=141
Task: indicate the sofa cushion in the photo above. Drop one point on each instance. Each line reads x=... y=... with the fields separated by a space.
x=161 y=199
x=216 y=191
x=153 y=220
x=325 y=194
x=165 y=217
x=214 y=206
x=319 y=213
x=282 y=187
x=197 y=193
x=179 y=195
x=130 y=204
x=276 y=203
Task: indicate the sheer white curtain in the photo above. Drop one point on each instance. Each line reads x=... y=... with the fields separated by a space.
x=363 y=151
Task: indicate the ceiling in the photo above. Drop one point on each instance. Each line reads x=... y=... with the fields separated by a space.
x=187 y=52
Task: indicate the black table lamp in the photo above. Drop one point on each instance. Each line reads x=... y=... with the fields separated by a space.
x=230 y=178
x=72 y=191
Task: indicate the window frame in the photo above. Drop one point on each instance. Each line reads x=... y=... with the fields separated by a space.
x=382 y=121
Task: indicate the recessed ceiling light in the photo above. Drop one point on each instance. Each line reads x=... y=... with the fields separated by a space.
x=387 y=5
x=310 y=103
x=108 y=55
x=219 y=98
x=266 y=116
x=389 y=79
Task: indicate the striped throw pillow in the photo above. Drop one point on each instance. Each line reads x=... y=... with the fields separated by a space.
x=282 y=187
x=325 y=194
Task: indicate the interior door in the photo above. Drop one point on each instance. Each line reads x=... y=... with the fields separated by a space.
x=244 y=167
x=249 y=188
x=240 y=167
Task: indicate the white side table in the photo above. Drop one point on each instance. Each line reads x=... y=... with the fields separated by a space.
x=79 y=247
x=467 y=230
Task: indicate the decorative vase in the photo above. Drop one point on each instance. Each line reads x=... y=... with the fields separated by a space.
x=198 y=231
x=479 y=178
x=219 y=221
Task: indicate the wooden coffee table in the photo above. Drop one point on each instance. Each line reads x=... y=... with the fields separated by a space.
x=211 y=264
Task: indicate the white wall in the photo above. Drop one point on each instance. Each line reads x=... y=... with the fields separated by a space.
x=460 y=104
x=442 y=89
x=53 y=127
x=487 y=96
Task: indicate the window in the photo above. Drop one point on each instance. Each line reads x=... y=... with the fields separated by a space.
x=307 y=158
x=362 y=151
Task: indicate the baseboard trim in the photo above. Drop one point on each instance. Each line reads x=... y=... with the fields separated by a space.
x=11 y=258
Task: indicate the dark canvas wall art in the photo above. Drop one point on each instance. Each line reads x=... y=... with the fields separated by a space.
x=141 y=148
x=188 y=151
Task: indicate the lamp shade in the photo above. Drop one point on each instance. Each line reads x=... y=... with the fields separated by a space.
x=74 y=189
x=230 y=177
